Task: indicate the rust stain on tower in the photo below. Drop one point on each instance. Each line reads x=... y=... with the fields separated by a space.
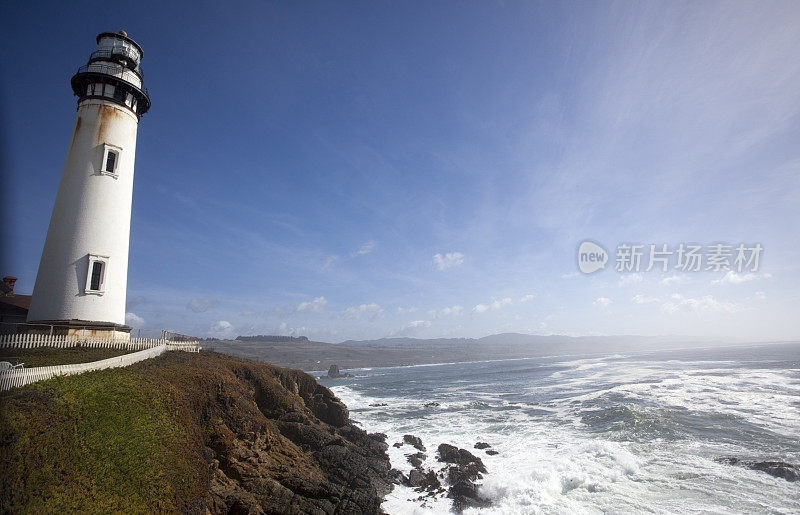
x=108 y=114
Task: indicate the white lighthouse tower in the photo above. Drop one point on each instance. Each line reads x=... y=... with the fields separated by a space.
x=83 y=274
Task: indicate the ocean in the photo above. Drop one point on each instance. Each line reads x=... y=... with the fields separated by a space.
x=629 y=433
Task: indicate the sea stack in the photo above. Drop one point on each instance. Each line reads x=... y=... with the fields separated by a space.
x=334 y=373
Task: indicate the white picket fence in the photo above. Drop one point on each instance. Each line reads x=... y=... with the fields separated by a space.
x=35 y=341
x=144 y=348
x=22 y=376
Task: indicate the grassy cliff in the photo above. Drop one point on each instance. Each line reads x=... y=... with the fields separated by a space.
x=186 y=432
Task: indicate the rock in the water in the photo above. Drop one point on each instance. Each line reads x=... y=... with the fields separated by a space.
x=779 y=469
x=424 y=481
x=458 y=473
x=431 y=404
x=397 y=477
x=491 y=452
x=482 y=445
x=465 y=495
x=452 y=454
x=416 y=459
x=464 y=470
x=334 y=373
x=414 y=441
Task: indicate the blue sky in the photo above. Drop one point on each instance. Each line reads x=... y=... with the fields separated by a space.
x=361 y=170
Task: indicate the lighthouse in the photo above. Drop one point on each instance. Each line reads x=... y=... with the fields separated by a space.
x=83 y=273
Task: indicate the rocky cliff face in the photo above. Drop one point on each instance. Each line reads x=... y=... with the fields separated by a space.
x=250 y=438
x=278 y=442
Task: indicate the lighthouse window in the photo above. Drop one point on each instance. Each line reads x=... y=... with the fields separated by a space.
x=119 y=95
x=96 y=276
x=110 y=163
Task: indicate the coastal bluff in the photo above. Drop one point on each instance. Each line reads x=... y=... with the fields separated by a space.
x=199 y=433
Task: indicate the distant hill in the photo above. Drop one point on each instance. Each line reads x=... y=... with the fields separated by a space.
x=271 y=338
x=385 y=352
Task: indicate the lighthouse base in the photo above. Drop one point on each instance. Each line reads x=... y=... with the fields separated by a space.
x=78 y=328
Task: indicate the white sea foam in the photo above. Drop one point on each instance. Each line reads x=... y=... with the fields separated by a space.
x=552 y=461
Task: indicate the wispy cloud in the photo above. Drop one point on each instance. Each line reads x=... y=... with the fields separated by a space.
x=410 y=328
x=363 y=311
x=644 y=299
x=315 y=306
x=526 y=298
x=134 y=320
x=732 y=277
x=445 y=312
x=602 y=302
x=136 y=301
x=671 y=280
x=493 y=306
x=449 y=260
x=364 y=249
x=200 y=305
x=706 y=303
x=627 y=279
x=329 y=261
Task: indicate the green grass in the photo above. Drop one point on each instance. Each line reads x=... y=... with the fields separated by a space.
x=44 y=357
x=100 y=442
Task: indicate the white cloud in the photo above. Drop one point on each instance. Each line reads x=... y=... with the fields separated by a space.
x=445 y=312
x=223 y=326
x=630 y=279
x=200 y=305
x=410 y=328
x=403 y=311
x=570 y=276
x=315 y=306
x=643 y=299
x=732 y=277
x=526 y=298
x=134 y=320
x=703 y=304
x=285 y=330
x=760 y=295
x=449 y=260
x=455 y=310
x=494 y=306
x=364 y=249
x=371 y=311
x=602 y=302
x=669 y=281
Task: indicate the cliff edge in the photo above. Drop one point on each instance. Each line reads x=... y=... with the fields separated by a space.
x=187 y=432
